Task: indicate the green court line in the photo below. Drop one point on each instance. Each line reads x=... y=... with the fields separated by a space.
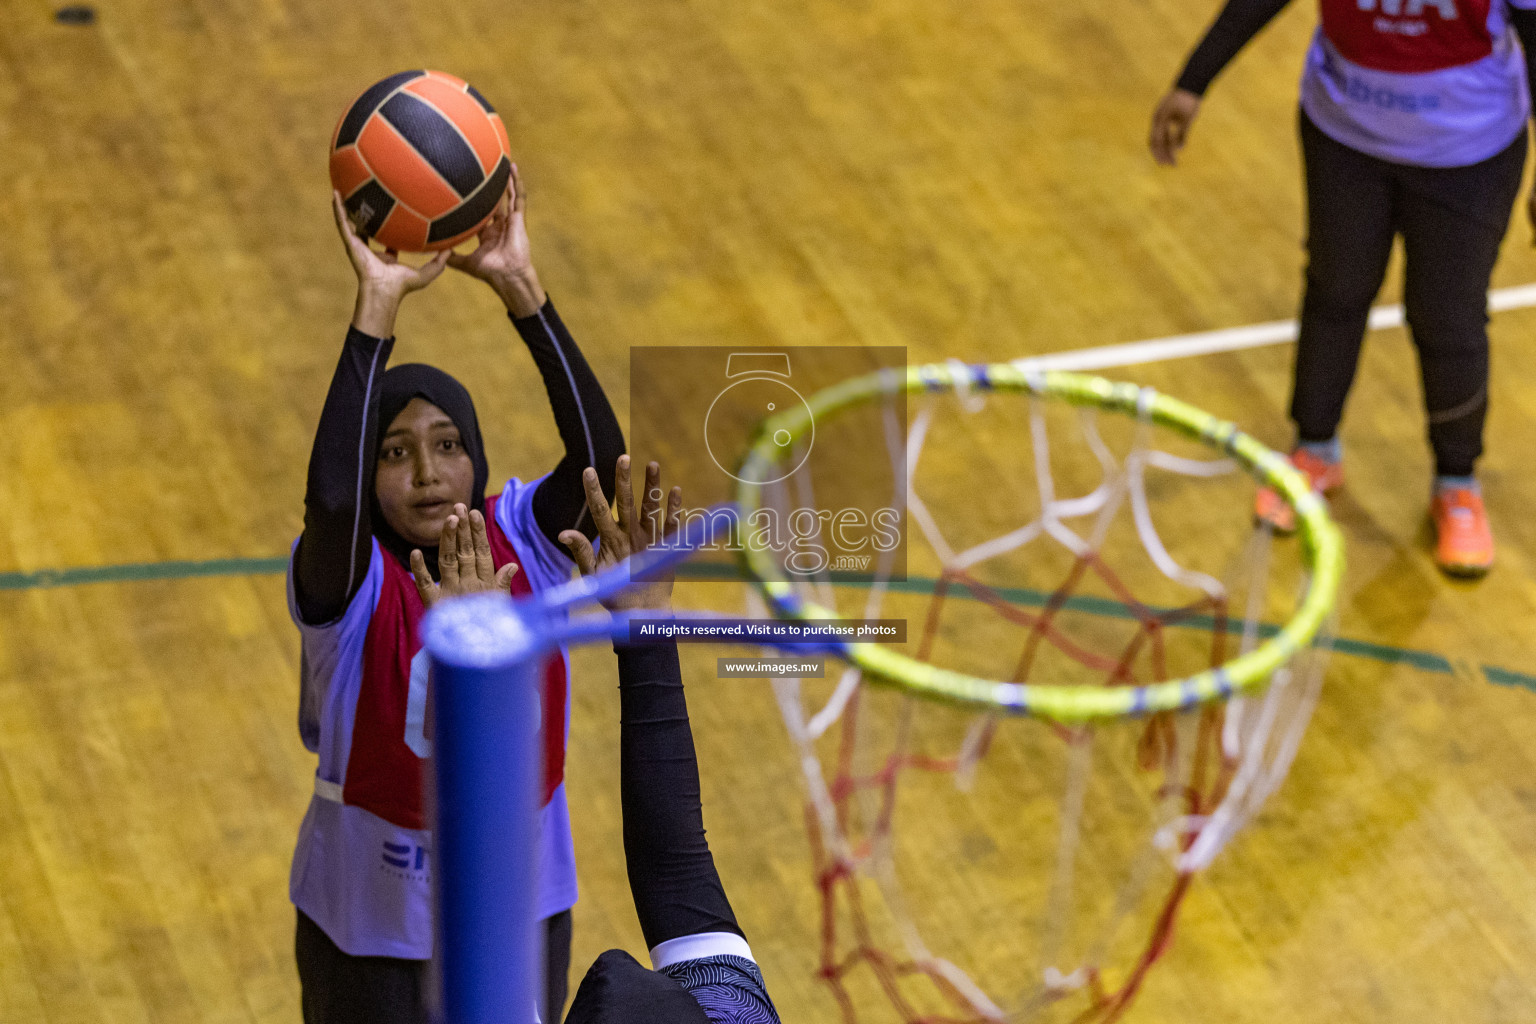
x=142 y=572
x=1504 y=677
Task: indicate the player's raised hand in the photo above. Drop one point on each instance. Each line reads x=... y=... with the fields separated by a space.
x=1171 y=122
x=382 y=280
x=464 y=562
x=503 y=258
x=628 y=534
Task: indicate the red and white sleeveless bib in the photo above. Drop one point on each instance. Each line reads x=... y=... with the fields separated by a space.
x=362 y=869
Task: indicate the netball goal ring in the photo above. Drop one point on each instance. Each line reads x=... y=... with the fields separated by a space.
x=1157 y=764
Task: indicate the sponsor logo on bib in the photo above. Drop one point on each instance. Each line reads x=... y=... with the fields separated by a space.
x=405 y=860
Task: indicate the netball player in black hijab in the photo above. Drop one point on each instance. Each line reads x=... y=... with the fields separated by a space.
x=398 y=462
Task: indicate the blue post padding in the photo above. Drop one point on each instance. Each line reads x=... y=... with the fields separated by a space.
x=486 y=653
x=485 y=701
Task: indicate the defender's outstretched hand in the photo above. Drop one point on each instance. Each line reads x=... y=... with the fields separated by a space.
x=504 y=259
x=1171 y=122
x=629 y=535
x=464 y=561
x=382 y=280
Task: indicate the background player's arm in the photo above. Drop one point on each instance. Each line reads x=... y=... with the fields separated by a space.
x=334 y=550
x=587 y=424
x=1238 y=22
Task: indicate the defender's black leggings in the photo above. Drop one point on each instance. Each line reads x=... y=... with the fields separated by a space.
x=1452 y=221
x=339 y=988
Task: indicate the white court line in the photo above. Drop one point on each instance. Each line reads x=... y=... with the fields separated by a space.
x=1230 y=339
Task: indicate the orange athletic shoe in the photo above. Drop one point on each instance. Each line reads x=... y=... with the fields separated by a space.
x=1325 y=477
x=1463 y=541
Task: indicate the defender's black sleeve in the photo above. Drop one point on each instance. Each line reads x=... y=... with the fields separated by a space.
x=586 y=422
x=334 y=549
x=1525 y=27
x=1238 y=22
x=672 y=875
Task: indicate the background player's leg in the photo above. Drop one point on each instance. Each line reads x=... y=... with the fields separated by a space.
x=1453 y=221
x=1349 y=238
x=1350 y=226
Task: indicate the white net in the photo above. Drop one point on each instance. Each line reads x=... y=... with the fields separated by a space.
x=974 y=867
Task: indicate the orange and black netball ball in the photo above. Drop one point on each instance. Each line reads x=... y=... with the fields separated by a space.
x=420 y=160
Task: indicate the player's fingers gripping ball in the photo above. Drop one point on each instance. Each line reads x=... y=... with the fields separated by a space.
x=421 y=161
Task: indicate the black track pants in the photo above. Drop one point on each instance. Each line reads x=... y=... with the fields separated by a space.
x=1452 y=220
x=338 y=988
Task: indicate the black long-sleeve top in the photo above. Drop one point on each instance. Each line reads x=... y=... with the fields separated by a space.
x=336 y=545
x=1241 y=20
x=672 y=875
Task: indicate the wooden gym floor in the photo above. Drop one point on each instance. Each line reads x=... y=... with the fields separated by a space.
x=965 y=179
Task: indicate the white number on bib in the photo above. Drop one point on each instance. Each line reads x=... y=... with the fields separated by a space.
x=416 y=708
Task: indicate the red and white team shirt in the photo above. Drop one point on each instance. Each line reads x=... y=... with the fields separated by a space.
x=1433 y=83
x=362 y=868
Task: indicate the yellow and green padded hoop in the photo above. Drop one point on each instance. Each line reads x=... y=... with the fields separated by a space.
x=1321 y=542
